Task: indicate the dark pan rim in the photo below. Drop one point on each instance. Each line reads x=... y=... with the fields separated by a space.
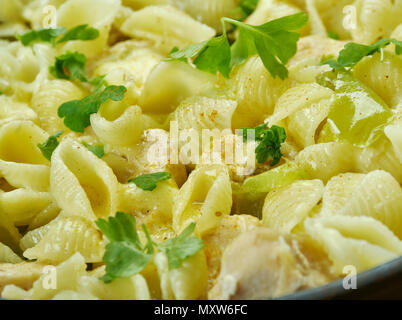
x=369 y=280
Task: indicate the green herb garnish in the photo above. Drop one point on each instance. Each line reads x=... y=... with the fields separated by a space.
x=50 y=145
x=98 y=149
x=354 y=52
x=69 y=66
x=148 y=182
x=126 y=256
x=49 y=35
x=333 y=35
x=274 y=42
x=77 y=112
x=81 y=32
x=270 y=141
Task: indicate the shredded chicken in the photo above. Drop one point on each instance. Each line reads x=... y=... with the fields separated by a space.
x=263 y=264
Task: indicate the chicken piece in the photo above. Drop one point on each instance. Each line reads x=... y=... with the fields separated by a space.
x=22 y=275
x=264 y=264
x=215 y=242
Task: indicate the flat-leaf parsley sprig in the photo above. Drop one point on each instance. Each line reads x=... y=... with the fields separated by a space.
x=270 y=141
x=50 y=35
x=77 y=113
x=275 y=42
x=125 y=254
x=353 y=53
x=148 y=182
x=47 y=148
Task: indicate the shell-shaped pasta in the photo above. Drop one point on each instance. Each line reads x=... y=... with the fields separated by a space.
x=268 y=10
x=81 y=183
x=205 y=113
x=7 y=255
x=66 y=236
x=286 y=207
x=139 y=4
x=381 y=156
x=325 y=160
x=21 y=162
x=154 y=209
x=188 y=282
x=298 y=98
x=65 y=277
x=394 y=134
x=33 y=237
x=304 y=108
x=125 y=130
x=18 y=143
x=19 y=63
x=9 y=234
x=77 y=12
x=129 y=63
x=205 y=198
x=376 y=195
x=374 y=19
x=37 y=14
x=10 y=10
x=362 y=242
x=397 y=33
x=167 y=26
x=383 y=75
x=134 y=288
x=22 y=205
x=175 y=81
x=12 y=110
x=48 y=98
x=209 y=12
x=256 y=92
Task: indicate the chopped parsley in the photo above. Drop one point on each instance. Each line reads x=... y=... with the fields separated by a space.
x=270 y=141
x=354 y=52
x=273 y=41
x=49 y=35
x=50 y=145
x=148 y=182
x=69 y=66
x=126 y=256
x=77 y=113
x=98 y=149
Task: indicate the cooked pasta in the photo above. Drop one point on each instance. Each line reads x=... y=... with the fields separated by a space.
x=188 y=149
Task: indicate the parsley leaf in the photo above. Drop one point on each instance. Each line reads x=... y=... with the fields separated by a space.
x=98 y=150
x=182 y=247
x=125 y=255
x=148 y=182
x=50 y=145
x=352 y=53
x=1 y=93
x=273 y=41
x=333 y=35
x=77 y=112
x=245 y=8
x=81 y=32
x=41 y=35
x=211 y=56
x=70 y=66
x=270 y=142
